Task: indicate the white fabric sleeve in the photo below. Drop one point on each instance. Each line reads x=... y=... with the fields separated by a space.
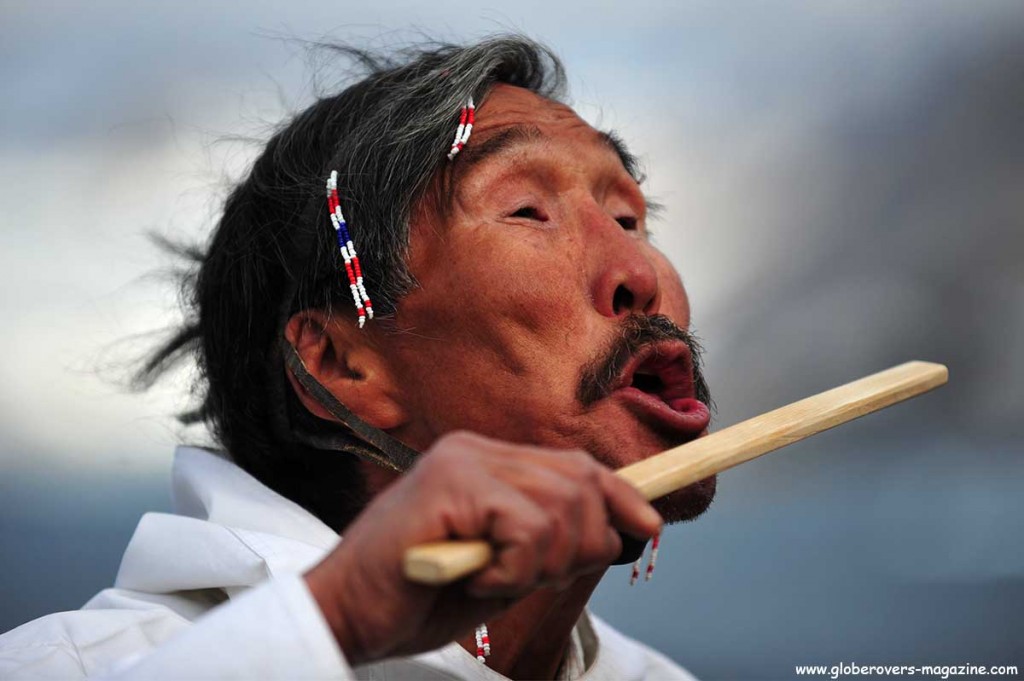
x=274 y=631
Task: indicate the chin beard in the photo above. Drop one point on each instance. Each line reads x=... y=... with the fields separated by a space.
x=687 y=503
x=680 y=506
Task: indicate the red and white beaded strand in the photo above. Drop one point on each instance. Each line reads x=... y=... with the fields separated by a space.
x=348 y=252
x=466 y=118
x=483 y=644
x=654 y=557
x=635 y=576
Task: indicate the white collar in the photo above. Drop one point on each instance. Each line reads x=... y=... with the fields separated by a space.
x=231 y=532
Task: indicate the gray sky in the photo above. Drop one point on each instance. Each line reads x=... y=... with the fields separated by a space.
x=843 y=191
x=781 y=136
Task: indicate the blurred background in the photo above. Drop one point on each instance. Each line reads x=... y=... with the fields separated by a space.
x=844 y=185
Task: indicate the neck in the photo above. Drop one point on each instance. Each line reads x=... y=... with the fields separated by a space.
x=529 y=640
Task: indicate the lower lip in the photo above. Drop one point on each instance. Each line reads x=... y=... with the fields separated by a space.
x=686 y=416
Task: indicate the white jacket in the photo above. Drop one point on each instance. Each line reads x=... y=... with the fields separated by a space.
x=215 y=591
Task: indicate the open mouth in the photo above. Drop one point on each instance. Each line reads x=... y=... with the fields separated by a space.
x=657 y=386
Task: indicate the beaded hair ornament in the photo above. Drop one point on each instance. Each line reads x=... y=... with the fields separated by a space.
x=348 y=252
x=466 y=118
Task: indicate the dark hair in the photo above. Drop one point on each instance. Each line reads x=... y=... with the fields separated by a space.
x=273 y=251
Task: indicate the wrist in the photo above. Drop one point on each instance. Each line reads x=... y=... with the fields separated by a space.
x=326 y=593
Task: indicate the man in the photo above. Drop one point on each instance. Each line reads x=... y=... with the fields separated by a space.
x=526 y=337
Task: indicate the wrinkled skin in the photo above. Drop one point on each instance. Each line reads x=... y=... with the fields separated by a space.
x=521 y=284
x=510 y=308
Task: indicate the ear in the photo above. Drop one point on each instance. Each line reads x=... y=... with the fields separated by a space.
x=344 y=359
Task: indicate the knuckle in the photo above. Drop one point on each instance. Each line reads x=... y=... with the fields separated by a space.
x=456 y=440
x=570 y=495
x=558 y=526
x=602 y=549
x=438 y=464
x=613 y=547
x=454 y=450
x=536 y=530
x=539 y=529
x=586 y=468
x=581 y=459
x=591 y=551
x=497 y=583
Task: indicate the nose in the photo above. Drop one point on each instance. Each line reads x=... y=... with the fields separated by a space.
x=624 y=280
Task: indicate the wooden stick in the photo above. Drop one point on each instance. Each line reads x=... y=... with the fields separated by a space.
x=444 y=562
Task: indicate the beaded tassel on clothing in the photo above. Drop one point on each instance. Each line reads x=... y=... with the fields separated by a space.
x=483 y=643
x=635 y=575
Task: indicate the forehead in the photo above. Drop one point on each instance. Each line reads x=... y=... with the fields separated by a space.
x=507 y=105
x=511 y=116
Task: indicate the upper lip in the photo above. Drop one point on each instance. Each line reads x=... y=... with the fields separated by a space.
x=670 y=362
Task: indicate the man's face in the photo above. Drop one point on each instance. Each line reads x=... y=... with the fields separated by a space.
x=529 y=321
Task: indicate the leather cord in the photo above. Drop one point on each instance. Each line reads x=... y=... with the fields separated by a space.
x=375 y=446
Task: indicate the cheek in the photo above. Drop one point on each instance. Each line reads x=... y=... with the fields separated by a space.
x=494 y=323
x=500 y=309
x=519 y=283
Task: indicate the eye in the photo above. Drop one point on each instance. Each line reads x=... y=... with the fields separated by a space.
x=627 y=223
x=529 y=213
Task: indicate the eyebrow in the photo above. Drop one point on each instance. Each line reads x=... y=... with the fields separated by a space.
x=520 y=134
x=628 y=159
x=510 y=137
x=632 y=165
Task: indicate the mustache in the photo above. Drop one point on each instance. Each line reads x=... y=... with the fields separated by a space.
x=598 y=376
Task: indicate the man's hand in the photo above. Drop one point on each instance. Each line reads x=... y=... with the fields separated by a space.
x=551 y=516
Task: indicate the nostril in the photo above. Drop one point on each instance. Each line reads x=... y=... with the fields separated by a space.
x=622 y=301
